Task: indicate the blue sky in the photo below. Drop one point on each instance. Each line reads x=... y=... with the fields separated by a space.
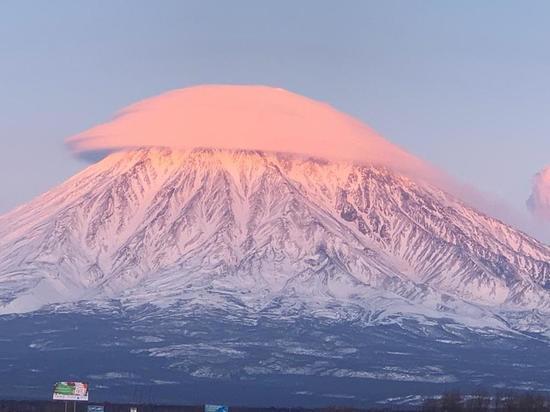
x=462 y=84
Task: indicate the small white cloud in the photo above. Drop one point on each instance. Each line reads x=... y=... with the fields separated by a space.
x=539 y=201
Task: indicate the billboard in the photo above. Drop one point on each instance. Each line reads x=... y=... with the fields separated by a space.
x=216 y=408
x=70 y=391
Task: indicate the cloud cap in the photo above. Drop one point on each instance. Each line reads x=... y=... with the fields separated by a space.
x=244 y=117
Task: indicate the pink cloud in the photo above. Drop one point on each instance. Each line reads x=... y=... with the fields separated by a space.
x=249 y=118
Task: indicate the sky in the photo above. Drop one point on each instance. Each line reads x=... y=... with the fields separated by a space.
x=463 y=85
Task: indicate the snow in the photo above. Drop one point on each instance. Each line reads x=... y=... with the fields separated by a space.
x=45 y=292
x=217 y=229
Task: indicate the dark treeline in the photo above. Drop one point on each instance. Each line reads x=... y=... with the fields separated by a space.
x=481 y=402
x=448 y=402
x=56 y=406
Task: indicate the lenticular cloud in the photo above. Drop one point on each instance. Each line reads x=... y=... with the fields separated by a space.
x=539 y=202
x=244 y=118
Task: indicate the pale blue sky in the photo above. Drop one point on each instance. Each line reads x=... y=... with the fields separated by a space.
x=463 y=84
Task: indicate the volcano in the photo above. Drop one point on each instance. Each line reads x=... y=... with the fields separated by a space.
x=281 y=271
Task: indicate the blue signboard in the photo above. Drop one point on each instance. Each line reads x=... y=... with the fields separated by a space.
x=96 y=408
x=216 y=408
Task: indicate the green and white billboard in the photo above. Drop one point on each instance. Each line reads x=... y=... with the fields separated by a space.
x=70 y=391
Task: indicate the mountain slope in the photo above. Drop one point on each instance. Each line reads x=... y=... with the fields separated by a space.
x=274 y=279
x=164 y=226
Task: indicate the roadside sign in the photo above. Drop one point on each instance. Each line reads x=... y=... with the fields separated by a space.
x=216 y=408
x=70 y=391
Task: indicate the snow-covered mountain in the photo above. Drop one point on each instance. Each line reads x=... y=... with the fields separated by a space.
x=159 y=226
x=286 y=274
x=197 y=254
